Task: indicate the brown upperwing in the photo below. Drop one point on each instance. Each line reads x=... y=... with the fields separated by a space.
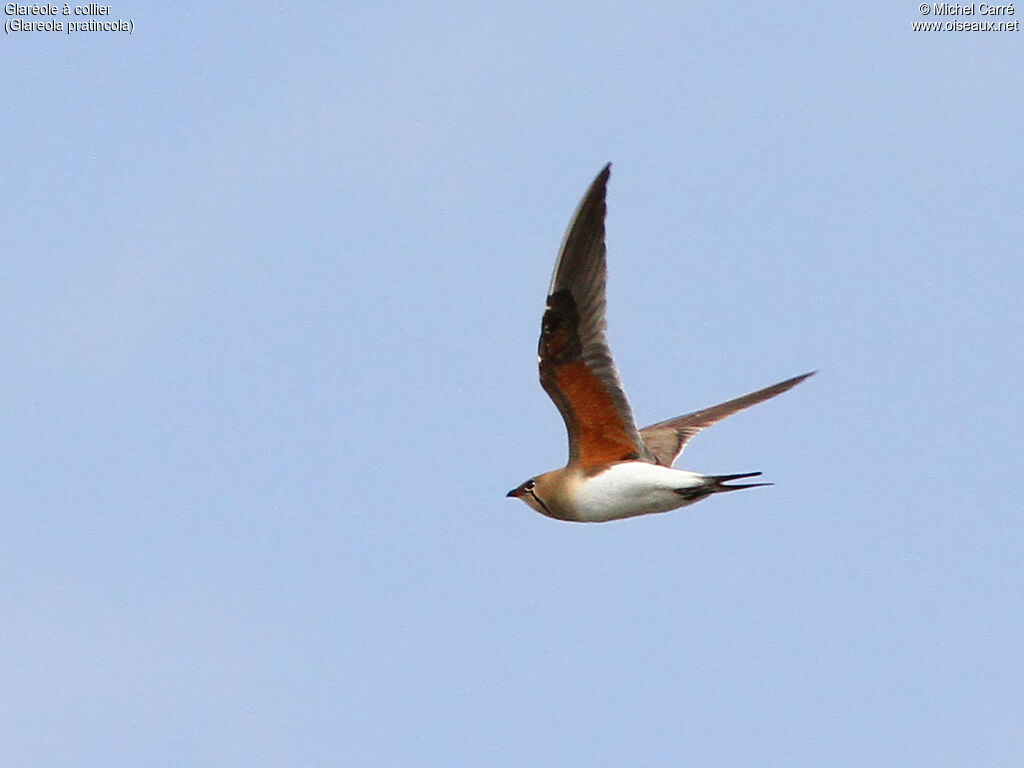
x=576 y=367
x=666 y=439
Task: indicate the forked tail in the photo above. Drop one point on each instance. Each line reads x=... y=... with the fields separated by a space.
x=718 y=482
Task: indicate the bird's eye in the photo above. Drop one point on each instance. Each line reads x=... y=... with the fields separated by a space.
x=528 y=485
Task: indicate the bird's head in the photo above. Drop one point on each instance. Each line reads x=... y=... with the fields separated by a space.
x=532 y=494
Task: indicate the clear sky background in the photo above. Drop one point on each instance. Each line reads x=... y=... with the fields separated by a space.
x=271 y=280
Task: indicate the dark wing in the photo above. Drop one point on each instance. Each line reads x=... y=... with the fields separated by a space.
x=576 y=367
x=666 y=439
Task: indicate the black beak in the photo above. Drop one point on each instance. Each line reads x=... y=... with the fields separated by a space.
x=515 y=493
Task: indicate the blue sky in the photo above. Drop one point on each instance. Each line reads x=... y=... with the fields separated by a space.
x=270 y=287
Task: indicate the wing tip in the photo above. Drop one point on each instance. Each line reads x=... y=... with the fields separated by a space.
x=600 y=182
x=797 y=379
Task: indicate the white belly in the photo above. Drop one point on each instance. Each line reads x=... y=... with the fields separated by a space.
x=632 y=488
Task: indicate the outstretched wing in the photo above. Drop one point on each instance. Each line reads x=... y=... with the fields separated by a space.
x=666 y=439
x=576 y=367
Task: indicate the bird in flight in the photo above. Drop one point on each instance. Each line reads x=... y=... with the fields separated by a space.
x=615 y=470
